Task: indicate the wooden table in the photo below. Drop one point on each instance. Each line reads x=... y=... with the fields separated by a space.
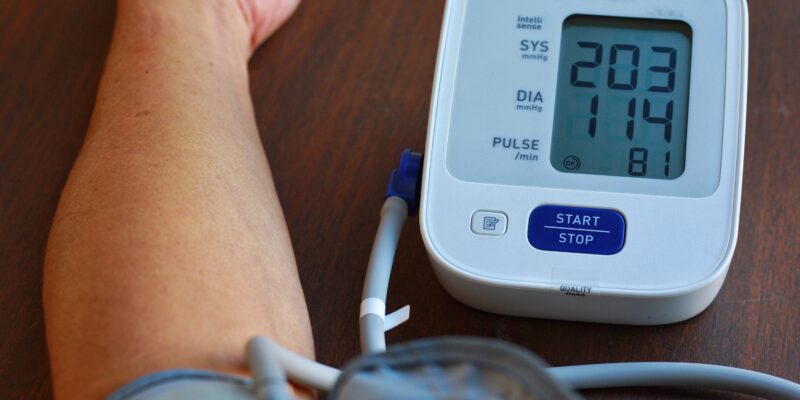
x=339 y=93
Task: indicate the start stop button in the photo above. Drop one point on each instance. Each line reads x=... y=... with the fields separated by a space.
x=576 y=230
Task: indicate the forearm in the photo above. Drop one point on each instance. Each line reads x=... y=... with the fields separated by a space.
x=170 y=207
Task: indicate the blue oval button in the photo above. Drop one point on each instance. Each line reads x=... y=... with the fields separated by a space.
x=576 y=230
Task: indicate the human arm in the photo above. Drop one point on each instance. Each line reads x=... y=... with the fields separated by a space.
x=169 y=248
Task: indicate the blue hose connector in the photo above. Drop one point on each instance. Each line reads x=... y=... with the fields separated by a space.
x=406 y=180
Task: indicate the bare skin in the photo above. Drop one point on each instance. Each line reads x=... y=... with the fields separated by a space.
x=169 y=248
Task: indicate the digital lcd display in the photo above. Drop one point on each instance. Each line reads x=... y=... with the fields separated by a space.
x=622 y=97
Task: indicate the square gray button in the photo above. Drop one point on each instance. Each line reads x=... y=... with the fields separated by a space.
x=493 y=223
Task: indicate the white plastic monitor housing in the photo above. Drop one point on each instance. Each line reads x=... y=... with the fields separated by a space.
x=680 y=233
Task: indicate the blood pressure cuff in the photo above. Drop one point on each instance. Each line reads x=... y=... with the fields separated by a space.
x=186 y=385
x=449 y=368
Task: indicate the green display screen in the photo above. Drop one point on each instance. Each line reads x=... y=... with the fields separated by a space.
x=622 y=97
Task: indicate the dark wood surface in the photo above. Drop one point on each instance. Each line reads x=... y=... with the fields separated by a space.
x=339 y=92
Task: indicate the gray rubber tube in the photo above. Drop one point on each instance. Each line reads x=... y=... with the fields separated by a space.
x=376 y=284
x=597 y=376
x=269 y=378
x=303 y=371
x=666 y=374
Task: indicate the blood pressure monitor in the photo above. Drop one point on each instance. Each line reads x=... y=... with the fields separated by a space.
x=584 y=157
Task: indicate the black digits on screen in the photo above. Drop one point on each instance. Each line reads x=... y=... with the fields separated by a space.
x=631 y=117
x=666 y=120
x=593 y=120
x=637 y=162
x=669 y=70
x=633 y=68
x=624 y=75
x=598 y=58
